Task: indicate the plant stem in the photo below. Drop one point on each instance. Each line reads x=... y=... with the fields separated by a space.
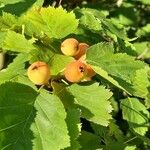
x=2 y=58
x=130 y=140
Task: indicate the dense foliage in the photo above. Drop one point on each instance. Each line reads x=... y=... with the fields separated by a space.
x=110 y=112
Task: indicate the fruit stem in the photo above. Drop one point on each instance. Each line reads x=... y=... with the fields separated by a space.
x=64 y=82
x=41 y=87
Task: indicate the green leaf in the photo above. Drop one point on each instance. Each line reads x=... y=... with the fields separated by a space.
x=98 y=14
x=16 y=113
x=114 y=130
x=115 y=106
x=58 y=63
x=14 y=69
x=145 y=139
x=141 y=83
x=136 y=115
x=24 y=80
x=50 y=129
x=146 y=2
x=17 y=42
x=130 y=148
x=17 y=7
x=61 y=91
x=6 y=2
x=41 y=53
x=116 y=83
x=39 y=3
x=105 y=48
x=90 y=98
x=54 y=22
x=2 y=38
x=59 y=22
x=89 y=141
x=7 y=21
x=108 y=25
x=74 y=127
x=112 y=136
x=95 y=20
x=126 y=47
x=100 y=131
x=88 y=17
x=147 y=100
x=119 y=65
x=142 y=49
x=34 y=24
x=126 y=14
x=114 y=145
x=143 y=31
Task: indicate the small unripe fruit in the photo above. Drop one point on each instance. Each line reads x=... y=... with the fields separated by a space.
x=69 y=47
x=82 y=50
x=75 y=71
x=39 y=73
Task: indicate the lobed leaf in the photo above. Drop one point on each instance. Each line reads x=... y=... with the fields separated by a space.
x=6 y=2
x=18 y=7
x=58 y=63
x=74 y=128
x=14 y=69
x=119 y=65
x=16 y=113
x=141 y=83
x=93 y=102
x=17 y=43
x=142 y=49
x=143 y=31
x=89 y=141
x=59 y=22
x=49 y=129
x=130 y=147
x=54 y=22
x=106 y=76
x=136 y=115
x=108 y=25
x=7 y=21
x=88 y=16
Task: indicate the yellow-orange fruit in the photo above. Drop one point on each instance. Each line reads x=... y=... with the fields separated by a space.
x=83 y=58
x=90 y=72
x=82 y=50
x=39 y=73
x=69 y=47
x=75 y=71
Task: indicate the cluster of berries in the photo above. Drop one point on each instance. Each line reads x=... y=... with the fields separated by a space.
x=39 y=72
